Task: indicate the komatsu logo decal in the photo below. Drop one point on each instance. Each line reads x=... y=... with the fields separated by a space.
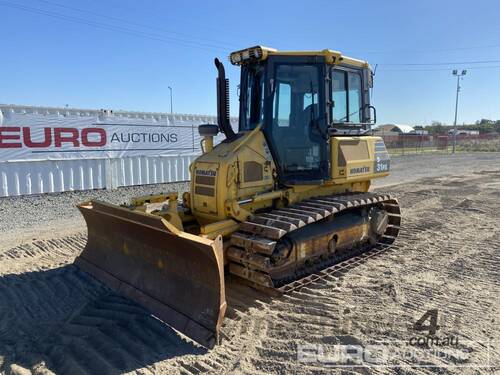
x=206 y=172
x=358 y=170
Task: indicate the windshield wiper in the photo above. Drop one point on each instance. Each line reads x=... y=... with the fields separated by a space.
x=314 y=121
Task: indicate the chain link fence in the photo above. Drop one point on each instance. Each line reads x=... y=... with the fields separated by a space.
x=441 y=143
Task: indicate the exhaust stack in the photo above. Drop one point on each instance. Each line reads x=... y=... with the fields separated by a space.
x=223 y=102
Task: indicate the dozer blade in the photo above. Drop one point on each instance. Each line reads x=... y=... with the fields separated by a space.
x=177 y=276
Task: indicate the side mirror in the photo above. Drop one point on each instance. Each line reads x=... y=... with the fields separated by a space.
x=367 y=109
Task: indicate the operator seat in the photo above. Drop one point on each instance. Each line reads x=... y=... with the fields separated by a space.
x=298 y=145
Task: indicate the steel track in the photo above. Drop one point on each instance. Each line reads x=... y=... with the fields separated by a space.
x=252 y=246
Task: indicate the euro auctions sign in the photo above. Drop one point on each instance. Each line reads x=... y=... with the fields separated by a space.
x=26 y=135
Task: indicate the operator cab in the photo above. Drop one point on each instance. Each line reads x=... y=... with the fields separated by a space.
x=300 y=99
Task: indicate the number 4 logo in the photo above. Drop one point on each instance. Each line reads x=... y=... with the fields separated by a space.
x=432 y=327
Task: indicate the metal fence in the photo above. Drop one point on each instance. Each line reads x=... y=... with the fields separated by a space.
x=67 y=171
x=442 y=143
x=53 y=173
x=51 y=176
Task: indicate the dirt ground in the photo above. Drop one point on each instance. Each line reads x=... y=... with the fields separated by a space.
x=57 y=319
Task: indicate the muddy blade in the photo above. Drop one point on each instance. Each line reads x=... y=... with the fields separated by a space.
x=177 y=276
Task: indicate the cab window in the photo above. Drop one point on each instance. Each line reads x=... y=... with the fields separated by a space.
x=253 y=100
x=347 y=100
x=282 y=104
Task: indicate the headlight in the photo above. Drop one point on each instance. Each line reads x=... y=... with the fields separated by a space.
x=250 y=54
x=235 y=58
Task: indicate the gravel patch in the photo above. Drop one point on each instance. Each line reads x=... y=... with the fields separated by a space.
x=407 y=168
x=33 y=210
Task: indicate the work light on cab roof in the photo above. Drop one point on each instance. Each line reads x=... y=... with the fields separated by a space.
x=249 y=55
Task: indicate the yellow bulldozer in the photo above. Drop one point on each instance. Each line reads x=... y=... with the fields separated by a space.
x=280 y=200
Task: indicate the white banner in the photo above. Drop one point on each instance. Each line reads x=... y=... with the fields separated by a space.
x=64 y=135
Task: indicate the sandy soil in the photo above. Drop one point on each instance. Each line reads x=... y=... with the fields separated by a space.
x=57 y=319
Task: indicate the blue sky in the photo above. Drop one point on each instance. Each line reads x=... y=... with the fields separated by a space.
x=124 y=54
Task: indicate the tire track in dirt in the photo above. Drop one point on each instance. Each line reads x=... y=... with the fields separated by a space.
x=269 y=322
x=447 y=255
x=71 y=322
x=428 y=238
x=91 y=321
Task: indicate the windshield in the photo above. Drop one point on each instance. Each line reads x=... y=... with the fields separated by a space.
x=252 y=106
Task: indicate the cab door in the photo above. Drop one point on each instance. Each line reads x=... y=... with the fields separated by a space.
x=296 y=119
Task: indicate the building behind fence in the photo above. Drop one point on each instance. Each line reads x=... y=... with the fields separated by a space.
x=403 y=139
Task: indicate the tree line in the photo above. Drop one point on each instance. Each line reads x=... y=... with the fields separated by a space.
x=483 y=125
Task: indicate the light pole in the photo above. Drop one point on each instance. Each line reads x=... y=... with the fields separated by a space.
x=455 y=73
x=171 y=101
